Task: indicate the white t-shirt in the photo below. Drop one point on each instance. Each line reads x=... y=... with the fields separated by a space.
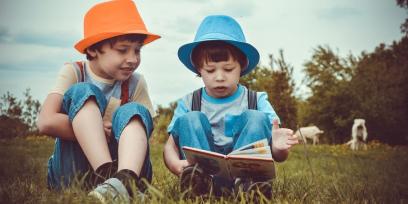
x=70 y=74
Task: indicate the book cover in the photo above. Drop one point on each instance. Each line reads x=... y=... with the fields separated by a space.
x=250 y=161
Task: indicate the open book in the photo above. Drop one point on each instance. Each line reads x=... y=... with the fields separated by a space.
x=250 y=161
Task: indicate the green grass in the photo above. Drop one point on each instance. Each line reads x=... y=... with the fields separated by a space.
x=377 y=175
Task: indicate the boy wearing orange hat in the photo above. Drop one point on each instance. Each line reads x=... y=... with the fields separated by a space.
x=100 y=111
x=222 y=116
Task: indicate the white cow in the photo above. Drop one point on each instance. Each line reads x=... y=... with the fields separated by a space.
x=358 y=135
x=311 y=132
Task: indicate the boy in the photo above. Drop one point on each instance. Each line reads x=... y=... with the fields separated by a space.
x=223 y=123
x=101 y=138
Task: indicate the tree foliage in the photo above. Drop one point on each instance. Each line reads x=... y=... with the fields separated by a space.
x=161 y=121
x=380 y=90
x=327 y=76
x=18 y=117
x=404 y=4
x=372 y=86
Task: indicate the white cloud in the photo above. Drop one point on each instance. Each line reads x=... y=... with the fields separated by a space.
x=32 y=55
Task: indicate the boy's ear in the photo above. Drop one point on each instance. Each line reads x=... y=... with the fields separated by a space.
x=91 y=52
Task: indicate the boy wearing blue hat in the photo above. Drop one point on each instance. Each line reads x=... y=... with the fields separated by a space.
x=224 y=115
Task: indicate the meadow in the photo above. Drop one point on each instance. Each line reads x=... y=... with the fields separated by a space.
x=312 y=174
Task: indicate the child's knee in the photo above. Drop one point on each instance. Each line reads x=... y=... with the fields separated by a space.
x=131 y=113
x=80 y=94
x=136 y=121
x=81 y=89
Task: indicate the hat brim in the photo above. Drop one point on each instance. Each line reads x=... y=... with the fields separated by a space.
x=252 y=54
x=86 y=42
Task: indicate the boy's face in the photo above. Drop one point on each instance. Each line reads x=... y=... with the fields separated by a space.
x=118 y=61
x=221 y=78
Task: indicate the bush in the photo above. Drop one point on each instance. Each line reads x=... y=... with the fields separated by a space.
x=18 y=117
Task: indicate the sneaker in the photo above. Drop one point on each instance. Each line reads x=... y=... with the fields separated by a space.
x=195 y=182
x=101 y=174
x=249 y=186
x=131 y=181
x=112 y=190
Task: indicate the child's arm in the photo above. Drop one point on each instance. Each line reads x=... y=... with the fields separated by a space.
x=53 y=123
x=282 y=140
x=172 y=158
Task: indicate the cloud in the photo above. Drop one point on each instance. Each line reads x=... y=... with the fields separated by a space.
x=235 y=8
x=184 y=25
x=338 y=13
x=239 y=8
x=34 y=56
x=189 y=25
x=4 y=35
x=52 y=38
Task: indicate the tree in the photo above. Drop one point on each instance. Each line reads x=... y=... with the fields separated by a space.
x=10 y=106
x=381 y=91
x=372 y=86
x=31 y=108
x=404 y=4
x=329 y=106
x=18 y=118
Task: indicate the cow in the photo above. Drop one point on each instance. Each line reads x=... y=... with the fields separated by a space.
x=358 y=135
x=311 y=132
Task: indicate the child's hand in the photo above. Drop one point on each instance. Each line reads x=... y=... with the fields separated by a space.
x=181 y=165
x=107 y=127
x=282 y=138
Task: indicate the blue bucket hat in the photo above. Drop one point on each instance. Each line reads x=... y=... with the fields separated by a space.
x=220 y=28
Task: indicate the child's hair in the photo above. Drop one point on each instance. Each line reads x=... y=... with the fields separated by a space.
x=128 y=37
x=217 y=51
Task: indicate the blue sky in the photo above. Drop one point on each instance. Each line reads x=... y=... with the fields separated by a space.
x=37 y=37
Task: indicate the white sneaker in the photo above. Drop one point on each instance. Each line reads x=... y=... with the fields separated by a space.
x=112 y=190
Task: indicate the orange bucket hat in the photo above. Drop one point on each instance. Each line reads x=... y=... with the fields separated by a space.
x=111 y=19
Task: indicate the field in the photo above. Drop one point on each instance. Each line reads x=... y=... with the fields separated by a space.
x=324 y=173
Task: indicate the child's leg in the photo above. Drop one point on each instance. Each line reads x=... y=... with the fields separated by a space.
x=133 y=139
x=132 y=126
x=68 y=158
x=252 y=126
x=193 y=130
x=88 y=129
x=66 y=161
x=249 y=127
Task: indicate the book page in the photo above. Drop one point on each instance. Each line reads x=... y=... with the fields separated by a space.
x=259 y=143
x=263 y=152
x=212 y=163
x=243 y=167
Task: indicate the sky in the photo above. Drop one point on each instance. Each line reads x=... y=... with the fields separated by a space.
x=37 y=37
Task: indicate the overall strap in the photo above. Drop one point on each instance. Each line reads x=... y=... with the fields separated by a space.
x=124 y=92
x=252 y=100
x=81 y=69
x=196 y=103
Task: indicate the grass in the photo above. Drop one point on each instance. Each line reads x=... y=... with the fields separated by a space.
x=329 y=174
